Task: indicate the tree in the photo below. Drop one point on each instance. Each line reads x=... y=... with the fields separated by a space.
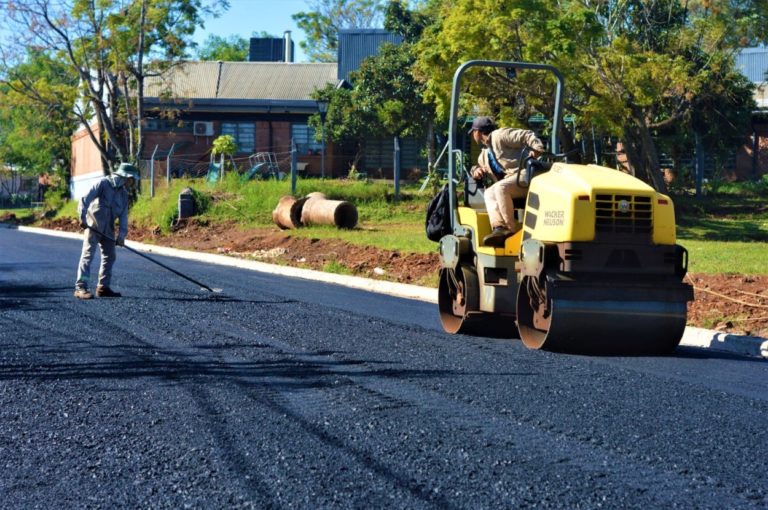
x=632 y=67
x=233 y=48
x=112 y=46
x=345 y=122
x=34 y=133
x=326 y=17
x=226 y=49
x=385 y=100
x=385 y=86
x=400 y=19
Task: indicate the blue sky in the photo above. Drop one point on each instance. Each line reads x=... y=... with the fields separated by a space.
x=247 y=16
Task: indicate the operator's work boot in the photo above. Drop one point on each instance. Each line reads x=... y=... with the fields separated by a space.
x=83 y=293
x=104 y=291
x=497 y=237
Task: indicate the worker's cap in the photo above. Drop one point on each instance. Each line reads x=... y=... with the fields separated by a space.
x=484 y=124
x=126 y=170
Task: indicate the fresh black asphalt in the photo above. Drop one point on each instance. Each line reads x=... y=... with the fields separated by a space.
x=287 y=393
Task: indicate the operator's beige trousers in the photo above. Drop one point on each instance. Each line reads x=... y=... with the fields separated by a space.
x=498 y=202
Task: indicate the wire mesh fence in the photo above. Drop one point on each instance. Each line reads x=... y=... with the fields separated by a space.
x=18 y=190
x=159 y=172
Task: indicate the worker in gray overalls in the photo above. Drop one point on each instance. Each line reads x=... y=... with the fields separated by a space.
x=104 y=203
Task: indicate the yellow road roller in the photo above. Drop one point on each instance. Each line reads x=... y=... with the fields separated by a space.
x=594 y=268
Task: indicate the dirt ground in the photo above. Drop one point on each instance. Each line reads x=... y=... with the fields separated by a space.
x=726 y=302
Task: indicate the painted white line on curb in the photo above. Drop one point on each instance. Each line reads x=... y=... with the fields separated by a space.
x=692 y=337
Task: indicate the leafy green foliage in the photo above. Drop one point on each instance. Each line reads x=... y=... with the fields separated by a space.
x=227 y=49
x=111 y=46
x=386 y=99
x=385 y=86
x=35 y=131
x=632 y=68
x=224 y=144
x=399 y=19
x=325 y=18
x=757 y=188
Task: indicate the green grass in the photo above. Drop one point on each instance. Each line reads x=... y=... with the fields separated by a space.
x=725 y=232
x=723 y=218
x=336 y=267
x=726 y=257
x=68 y=210
x=24 y=212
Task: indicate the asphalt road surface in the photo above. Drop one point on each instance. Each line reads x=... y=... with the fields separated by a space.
x=286 y=393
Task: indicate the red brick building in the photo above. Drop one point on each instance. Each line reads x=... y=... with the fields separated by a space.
x=263 y=105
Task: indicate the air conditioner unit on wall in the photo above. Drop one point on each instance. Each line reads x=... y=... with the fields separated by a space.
x=203 y=128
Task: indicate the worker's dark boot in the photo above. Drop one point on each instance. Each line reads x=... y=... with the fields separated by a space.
x=497 y=237
x=83 y=293
x=104 y=291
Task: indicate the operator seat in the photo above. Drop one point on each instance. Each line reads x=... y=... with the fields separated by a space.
x=474 y=199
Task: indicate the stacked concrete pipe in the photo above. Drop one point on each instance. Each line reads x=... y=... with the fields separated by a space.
x=314 y=209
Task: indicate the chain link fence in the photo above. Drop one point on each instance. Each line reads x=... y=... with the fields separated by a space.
x=17 y=190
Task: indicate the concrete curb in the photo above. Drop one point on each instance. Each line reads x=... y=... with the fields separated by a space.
x=356 y=282
x=692 y=337
x=725 y=342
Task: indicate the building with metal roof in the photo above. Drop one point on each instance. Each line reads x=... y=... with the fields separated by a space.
x=264 y=105
x=753 y=63
x=244 y=84
x=752 y=159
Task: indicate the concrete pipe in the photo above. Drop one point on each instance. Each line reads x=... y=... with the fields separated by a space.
x=318 y=210
x=287 y=214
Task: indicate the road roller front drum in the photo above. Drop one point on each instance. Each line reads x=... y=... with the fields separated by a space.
x=598 y=319
x=458 y=297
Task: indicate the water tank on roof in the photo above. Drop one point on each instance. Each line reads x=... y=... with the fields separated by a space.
x=268 y=49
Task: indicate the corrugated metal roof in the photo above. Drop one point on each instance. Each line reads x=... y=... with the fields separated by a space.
x=753 y=63
x=190 y=80
x=274 y=80
x=241 y=80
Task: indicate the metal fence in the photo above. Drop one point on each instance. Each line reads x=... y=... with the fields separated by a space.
x=17 y=190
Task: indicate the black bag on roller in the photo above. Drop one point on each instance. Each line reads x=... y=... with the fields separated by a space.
x=438 y=223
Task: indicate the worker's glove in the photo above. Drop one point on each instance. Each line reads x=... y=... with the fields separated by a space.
x=120 y=241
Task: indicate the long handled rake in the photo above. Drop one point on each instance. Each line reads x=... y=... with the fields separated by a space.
x=178 y=273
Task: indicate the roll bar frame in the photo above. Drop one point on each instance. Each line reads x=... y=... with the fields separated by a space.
x=453 y=121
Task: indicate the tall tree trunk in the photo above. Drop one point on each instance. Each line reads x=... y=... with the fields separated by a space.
x=140 y=86
x=641 y=153
x=566 y=144
x=430 y=143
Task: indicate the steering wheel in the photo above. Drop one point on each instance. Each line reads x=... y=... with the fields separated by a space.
x=525 y=167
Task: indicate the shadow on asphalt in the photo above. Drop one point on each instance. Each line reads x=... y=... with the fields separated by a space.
x=217 y=298
x=279 y=374
x=20 y=296
x=686 y=352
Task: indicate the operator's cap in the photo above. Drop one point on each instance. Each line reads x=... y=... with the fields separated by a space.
x=482 y=124
x=126 y=170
